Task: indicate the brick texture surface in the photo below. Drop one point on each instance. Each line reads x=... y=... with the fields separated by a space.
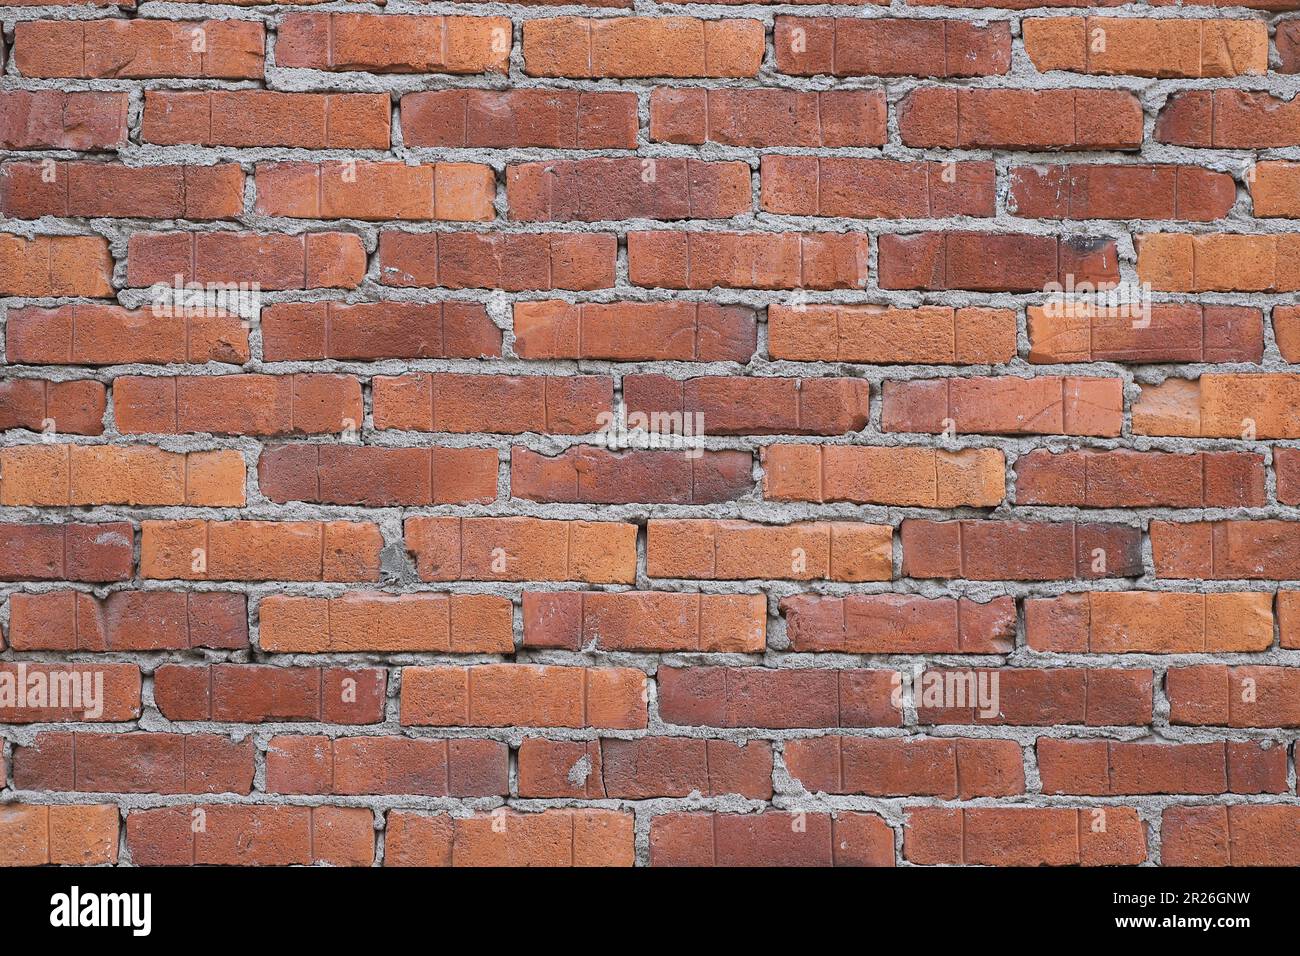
x=346 y=353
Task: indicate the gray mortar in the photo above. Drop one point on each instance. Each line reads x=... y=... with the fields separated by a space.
x=398 y=572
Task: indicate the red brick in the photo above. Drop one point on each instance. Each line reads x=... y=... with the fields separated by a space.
x=127 y=621
x=513 y=262
x=524 y=695
x=645 y=621
x=211 y=834
x=590 y=190
x=768 y=117
x=755 y=260
x=625 y=47
x=782 y=698
x=899 y=624
x=250 y=693
x=393 y=44
x=522 y=549
x=351 y=766
x=634 y=331
x=556 y=837
x=1024 y=836
x=915 y=767
x=266 y=118
x=843 y=46
x=377 y=477
x=372 y=621
x=139 y=49
x=559 y=119
x=772 y=838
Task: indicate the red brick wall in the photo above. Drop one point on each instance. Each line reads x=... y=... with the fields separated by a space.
x=354 y=579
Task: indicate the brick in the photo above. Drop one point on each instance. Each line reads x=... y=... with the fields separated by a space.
x=560 y=768
x=270 y=260
x=1158 y=332
x=768 y=117
x=1244 y=696
x=128 y=621
x=558 y=119
x=372 y=621
x=628 y=47
x=725 y=405
x=510 y=262
x=351 y=766
x=266 y=118
x=71 y=407
x=499 y=404
x=1020 y=119
x=393 y=44
x=1243 y=406
x=94 y=190
x=920 y=477
x=931 y=334
x=1219 y=262
x=1142 y=47
x=66 y=552
x=377 y=477
x=844 y=46
x=1273 y=189
x=1024 y=836
x=351 y=189
x=67 y=834
x=779 y=699
x=307 y=404
x=52 y=119
x=1140 y=479
x=1006 y=405
x=314 y=331
x=1019 y=550
x=645 y=621
x=722 y=550
x=876 y=188
x=139 y=49
x=557 y=837
x=915 y=767
x=899 y=624
x=1112 y=768
x=1224 y=550
x=591 y=190
x=135 y=763
x=677 y=766
x=588 y=475
x=251 y=836
x=736 y=260
x=522 y=549
x=32 y=692
x=772 y=838
x=1086 y=191
x=1286 y=464
x=1229 y=836
x=987 y=262
x=635 y=331
x=1033 y=698
x=50 y=475
x=526 y=695
x=55 y=266
x=198 y=550
x=252 y=693
x=87 y=333
x=1231 y=119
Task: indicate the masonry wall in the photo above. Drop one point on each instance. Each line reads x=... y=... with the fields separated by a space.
x=962 y=574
